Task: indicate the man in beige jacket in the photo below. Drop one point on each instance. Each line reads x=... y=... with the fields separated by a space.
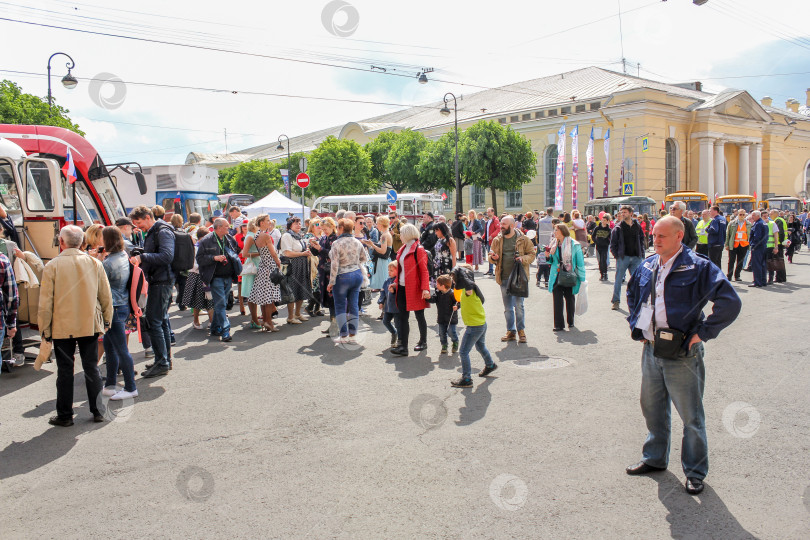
x=507 y=249
x=75 y=306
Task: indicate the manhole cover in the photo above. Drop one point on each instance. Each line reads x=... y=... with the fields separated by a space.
x=541 y=362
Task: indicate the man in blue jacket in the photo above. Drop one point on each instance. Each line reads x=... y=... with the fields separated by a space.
x=759 y=249
x=627 y=247
x=666 y=296
x=156 y=263
x=717 y=235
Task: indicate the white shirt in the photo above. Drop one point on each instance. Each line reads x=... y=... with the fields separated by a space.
x=660 y=302
x=401 y=268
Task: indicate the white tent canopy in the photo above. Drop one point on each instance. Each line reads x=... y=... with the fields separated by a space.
x=277 y=206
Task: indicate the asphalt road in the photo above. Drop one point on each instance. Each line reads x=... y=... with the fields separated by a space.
x=285 y=435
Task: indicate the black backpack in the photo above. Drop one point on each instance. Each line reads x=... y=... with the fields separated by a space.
x=183 y=250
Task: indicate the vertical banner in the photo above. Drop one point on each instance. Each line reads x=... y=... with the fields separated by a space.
x=560 y=177
x=621 y=171
x=589 y=159
x=607 y=162
x=574 y=165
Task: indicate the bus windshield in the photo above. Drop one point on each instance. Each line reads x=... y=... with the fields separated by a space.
x=109 y=198
x=729 y=207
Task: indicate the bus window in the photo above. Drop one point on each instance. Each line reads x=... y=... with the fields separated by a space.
x=364 y=208
x=8 y=194
x=87 y=207
x=374 y=208
x=200 y=206
x=38 y=194
x=169 y=205
x=109 y=198
x=354 y=207
x=407 y=208
x=645 y=208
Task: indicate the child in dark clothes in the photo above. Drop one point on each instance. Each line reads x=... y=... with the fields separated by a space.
x=447 y=311
x=388 y=303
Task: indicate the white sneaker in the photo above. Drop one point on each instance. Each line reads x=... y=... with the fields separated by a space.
x=19 y=359
x=110 y=391
x=198 y=327
x=123 y=394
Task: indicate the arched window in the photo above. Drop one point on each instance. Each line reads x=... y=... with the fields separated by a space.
x=551 y=174
x=671 y=166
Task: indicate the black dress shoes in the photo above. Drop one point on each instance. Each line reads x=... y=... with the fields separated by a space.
x=98 y=418
x=61 y=422
x=400 y=351
x=642 y=468
x=155 y=371
x=694 y=486
x=421 y=346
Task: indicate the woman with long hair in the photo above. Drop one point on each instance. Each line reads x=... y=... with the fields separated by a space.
x=250 y=253
x=264 y=292
x=116 y=266
x=321 y=247
x=382 y=253
x=566 y=256
x=444 y=252
x=477 y=229
x=314 y=230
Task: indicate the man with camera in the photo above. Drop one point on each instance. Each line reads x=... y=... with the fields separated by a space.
x=665 y=297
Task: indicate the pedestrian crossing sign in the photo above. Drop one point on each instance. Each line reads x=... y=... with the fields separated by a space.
x=645 y=144
x=629 y=188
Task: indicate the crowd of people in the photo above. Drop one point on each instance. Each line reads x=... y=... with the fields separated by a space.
x=127 y=276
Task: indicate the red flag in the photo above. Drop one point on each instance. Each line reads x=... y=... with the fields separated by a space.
x=69 y=168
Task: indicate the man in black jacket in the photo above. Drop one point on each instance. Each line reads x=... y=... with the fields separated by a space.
x=219 y=269
x=689 y=235
x=627 y=247
x=457 y=229
x=428 y=238
x=156 y=263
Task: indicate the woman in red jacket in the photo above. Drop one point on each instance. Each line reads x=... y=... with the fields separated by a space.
x=412 y=288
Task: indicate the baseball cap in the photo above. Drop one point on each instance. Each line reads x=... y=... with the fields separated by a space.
x=428 y=214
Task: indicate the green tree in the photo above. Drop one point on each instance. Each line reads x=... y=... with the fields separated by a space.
x=437 y=168
x=340 y=167
x=498 y=158
x=403 y=159
x=378 y=150
x=257 y=178
x=225 y=179
x=28 y=109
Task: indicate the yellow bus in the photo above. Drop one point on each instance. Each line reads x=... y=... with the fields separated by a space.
x=784 y=202
x=731 y=203
x=695 y=201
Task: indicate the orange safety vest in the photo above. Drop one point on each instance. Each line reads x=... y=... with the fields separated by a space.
x=741 y=238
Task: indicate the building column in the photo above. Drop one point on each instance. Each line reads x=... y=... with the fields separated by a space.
x=706 y=165
x=719 y=170
x=756 y=154
x=743 y=184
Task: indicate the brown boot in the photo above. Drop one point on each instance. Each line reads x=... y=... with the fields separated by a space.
x=510 y=336
x=521 y=336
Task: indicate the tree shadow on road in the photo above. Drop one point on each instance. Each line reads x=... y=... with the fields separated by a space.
x=701 y=516
x=476 y=403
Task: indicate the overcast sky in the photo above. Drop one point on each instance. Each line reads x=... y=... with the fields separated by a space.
x=295 y=48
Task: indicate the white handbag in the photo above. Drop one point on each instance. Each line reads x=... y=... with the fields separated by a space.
x=249 y=267
x=582 y=299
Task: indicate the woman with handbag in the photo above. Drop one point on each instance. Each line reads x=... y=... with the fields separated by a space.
x=567 y=275
x=314 y=232
x=250 y=266
x=299 y=282
x=477 y=228
x=264 y=291
x=412 y=288
x=382 y=253
x=321 y=247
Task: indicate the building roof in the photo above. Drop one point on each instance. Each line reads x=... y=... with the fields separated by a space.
x=578 y=86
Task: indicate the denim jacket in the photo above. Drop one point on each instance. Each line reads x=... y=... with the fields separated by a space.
x=117 y=268
x=689 y=286
x=388 y=299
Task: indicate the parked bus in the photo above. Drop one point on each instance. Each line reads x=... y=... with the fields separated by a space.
x=39 y=199
x=409 y=205
x=729 y=203
x=179 y=189
x=235 y=199
x=783 y=202
x=611 y=205
x=694 y=200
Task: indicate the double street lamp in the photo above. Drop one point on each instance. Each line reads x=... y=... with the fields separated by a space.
x=289 y=162
x=68 y=81
x=445 y=111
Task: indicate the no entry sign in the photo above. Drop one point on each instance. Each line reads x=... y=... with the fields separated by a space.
x=302 y=180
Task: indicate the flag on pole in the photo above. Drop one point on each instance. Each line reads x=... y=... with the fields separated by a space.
x=69 y=168
x=589 y=159
x=607 y=162
x=574 y=165
x=560 y=173
x=621 y=171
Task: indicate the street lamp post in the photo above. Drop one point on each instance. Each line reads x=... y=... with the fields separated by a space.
x=68 y=81
x=445 y=112
x=289 y=163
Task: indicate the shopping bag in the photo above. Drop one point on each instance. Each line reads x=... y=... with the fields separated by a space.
x=582 y=299
x=518 y=284
x=44 y=355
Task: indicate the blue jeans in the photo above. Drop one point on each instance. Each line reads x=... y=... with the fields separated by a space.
x=157 y=317
x=474 y=335
x=390 y=321
x=513 y=309
x=117 y=352
x=623 y=264
x=680 y=382
x=448 y=329
x=346 y=293
x=220 y=286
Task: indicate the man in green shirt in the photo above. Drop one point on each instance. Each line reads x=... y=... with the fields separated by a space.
x=702 y=234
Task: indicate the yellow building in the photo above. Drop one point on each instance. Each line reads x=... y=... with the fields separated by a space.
x=726 y=143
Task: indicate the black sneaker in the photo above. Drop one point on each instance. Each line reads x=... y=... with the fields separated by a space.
x=487 y=370
x=400 y=351
x=462 y=383
x=155 y=371
x=61 y=422
x=420 y=346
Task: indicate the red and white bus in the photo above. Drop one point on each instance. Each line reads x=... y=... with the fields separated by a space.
x=409 y=205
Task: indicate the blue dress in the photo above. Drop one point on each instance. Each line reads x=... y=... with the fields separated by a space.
x=379 y=271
